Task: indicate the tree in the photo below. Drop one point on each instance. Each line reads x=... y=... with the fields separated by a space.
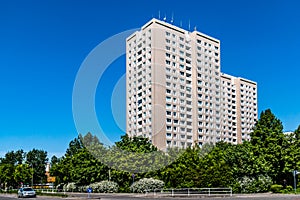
x=267 y=140
x=216 y=170
x=54 y=160
x=61 y=168
x=7 y=167
x=6 y=175
x=87 y=169
x=37 y=159
x=292 y=156
x=136 y=144
x=13 y=158
x=184 y=171
x=23 y=174
x=74 y=146
x=78 y=164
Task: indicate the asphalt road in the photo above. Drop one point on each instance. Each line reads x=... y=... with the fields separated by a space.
x=149 y=197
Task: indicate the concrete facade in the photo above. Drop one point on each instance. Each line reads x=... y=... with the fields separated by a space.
x=176 y=93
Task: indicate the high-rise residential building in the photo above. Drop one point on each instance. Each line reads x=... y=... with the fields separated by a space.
x=176 y=93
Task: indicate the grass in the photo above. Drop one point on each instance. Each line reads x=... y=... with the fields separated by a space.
x=51 y=194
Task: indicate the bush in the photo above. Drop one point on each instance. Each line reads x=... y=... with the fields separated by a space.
x=287 y=190
x=70 y=187
x=105 y=187
x=263 y=183
x=60 y=186
x=246 y=184
x=147 y=184
x=276 y=188
x=253 y=185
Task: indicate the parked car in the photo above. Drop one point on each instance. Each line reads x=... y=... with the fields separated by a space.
x=26 y=192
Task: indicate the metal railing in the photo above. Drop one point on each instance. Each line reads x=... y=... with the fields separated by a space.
x=191 y=192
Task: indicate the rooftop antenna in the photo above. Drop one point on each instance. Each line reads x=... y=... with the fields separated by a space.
x=189 y=25
x=165 y=18
x=195 y=28
x=172 y=20
x=159 y=14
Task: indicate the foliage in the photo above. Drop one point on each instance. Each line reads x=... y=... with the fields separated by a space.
x=54 y=160
x=263 y=183
x=215 y=169
x=18 y=167
x=70 y=187
x=292 y=155
x=276 y=188
x=184 y=171
x=134 y=155
x=79 y=165
x=249 y=167
x=6 y=175
x=23 y=173
x=288 y=189
x=135 y=144
x=254 y=185
x=37 y=160
x=252 y=166
x=105 y=187
x=268 y=140
x=146 y=185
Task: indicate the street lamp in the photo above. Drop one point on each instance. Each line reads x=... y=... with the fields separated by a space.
x=295 y=173
x=32 y=175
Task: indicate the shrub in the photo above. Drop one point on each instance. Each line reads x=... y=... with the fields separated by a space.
x=105 y=187
x=246 y=184
x=70 y=187
x=263 y=183
x=287 y=190
x=253 y=185
x=83 y=188
x=276 y=188
x=60 y=187
x=147 y=184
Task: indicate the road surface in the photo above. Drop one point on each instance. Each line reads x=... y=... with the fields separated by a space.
x=151 y=197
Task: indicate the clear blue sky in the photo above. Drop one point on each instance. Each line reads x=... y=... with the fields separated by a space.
x=43 y=43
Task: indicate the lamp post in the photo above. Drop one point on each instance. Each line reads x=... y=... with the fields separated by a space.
x=295 y=173
x=32 y=175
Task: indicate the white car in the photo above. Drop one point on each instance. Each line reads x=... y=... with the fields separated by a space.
x=26 y=192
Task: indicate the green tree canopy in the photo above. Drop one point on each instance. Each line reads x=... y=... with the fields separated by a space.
x=37 y=159
x=268 y=144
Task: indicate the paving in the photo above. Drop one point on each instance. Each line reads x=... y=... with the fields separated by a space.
x=81 y=196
